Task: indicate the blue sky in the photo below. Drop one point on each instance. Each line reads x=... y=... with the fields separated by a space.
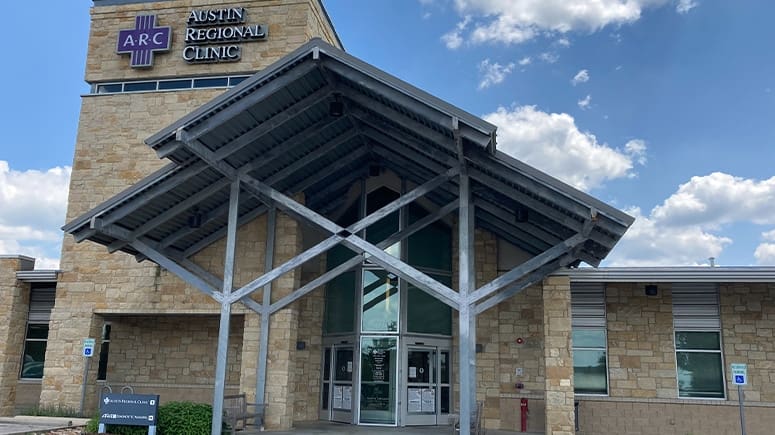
x=663 y=108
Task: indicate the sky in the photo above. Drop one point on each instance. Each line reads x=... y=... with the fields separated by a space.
x=662 y=108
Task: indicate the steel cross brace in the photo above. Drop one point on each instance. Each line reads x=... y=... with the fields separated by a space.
x=269 y=195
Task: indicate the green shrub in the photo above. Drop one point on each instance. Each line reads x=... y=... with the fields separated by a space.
x=175 y=418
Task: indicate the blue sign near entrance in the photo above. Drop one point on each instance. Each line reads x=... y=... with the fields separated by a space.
x=129 y=409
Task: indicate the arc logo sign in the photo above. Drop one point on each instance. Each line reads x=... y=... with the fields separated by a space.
x=143 y=41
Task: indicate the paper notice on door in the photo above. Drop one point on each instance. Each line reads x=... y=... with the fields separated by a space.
x=412 y=372
x=347 y=398
x=415 y=400
x=349 y=366
x=337 y=397
x=428 y=400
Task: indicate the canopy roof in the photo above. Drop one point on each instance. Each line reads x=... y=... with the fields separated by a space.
x=278 y=127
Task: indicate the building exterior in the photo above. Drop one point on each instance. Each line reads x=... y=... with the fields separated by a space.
x=253 y=210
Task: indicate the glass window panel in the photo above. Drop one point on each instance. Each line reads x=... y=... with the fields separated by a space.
x=589 y=338
x=37 y=331
x=327 y=365
x=589 y=372
x=344 y=365
x=340 y=304
x=420 y=360
x=175 y=84
x=378 y=381
x=432 y=246
x=139 y=86
x=107 y=89
x=325 y=396
x=444 y=367
x=234 y=81
x=386 y=226
x=697 y=340
x=426 y=314
x=34 y=356
x=380 y=301
x=700 y=374
x=211 y=83
x=445 y=400
x=102 y=368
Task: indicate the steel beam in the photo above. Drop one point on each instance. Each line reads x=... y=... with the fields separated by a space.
x=263 y=344
x=528 y=266
x=467 y=316
x=223 y=327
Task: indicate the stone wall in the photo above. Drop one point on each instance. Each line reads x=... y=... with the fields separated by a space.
x=748 y=321
x=14 y=303
x=558 y=358
x=641 y=348
x=170 y=351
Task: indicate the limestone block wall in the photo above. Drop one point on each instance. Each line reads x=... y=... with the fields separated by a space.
x=14 y=305
x=173 y=352
x=641 y=348
x=522 y=317
x=748 y=321
x=308 y=361
x=558 y=357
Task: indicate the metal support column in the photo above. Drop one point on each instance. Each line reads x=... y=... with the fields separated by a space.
x=223 y=328
x=266 y=314
x=467 y=315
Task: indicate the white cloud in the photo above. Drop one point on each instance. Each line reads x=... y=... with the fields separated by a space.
x=649 y=242
x=565 y=42
x=765 y=252
x=527 y=60
x=580 y=77
x=454 y=39
x=33 y=205
x=493 y=73
x=553 y=143
x=585 y=102
x=637 y=149
x=718 y=199
x=687 y=227
x=549 y=57
x=685 y=6
x=514 y=22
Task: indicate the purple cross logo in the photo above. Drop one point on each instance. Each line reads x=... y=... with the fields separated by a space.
x=142 y=41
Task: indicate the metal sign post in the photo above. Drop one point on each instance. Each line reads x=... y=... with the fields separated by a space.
x=88 y=351
x=740 y=377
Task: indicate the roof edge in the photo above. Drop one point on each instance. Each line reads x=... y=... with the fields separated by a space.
x=672 y=274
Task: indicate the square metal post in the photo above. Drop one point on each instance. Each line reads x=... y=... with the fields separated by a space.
x=223 y=328
x=467 y=315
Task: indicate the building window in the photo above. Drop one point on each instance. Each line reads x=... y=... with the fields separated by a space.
x=590 y=350
x=102 y=370
x=697 y=325
x=33 y=359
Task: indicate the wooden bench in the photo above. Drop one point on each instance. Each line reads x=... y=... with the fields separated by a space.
x=237 y=412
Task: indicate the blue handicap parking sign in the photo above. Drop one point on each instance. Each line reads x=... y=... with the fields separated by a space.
x=739 y=379
x=87 y=351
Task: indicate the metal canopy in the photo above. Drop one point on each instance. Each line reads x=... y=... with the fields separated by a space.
x=250 y=150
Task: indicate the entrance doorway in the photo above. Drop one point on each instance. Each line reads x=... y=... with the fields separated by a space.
x=337 y=389
x=427 y=387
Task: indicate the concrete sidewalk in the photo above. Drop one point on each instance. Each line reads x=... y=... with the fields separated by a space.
x=22 y=424
x=322 y=427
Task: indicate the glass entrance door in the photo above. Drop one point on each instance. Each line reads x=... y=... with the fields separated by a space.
x=426 y=385
x=339 y=396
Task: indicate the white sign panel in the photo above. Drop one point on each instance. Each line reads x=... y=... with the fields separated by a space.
x=88 y=347
x=740 y=374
